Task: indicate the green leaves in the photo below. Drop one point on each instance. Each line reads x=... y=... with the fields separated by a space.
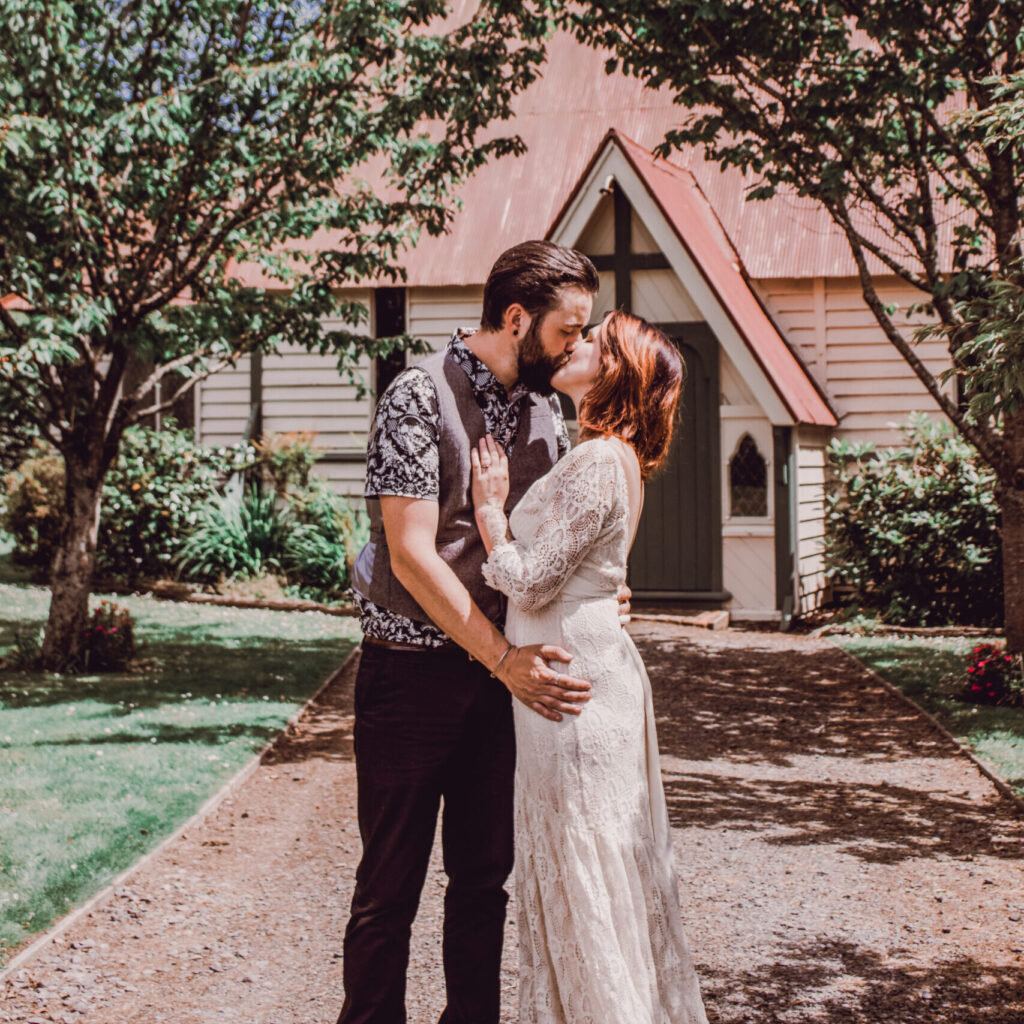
x=149 y=150
x=915 y=529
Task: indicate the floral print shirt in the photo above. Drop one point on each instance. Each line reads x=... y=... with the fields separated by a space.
x=402 y=458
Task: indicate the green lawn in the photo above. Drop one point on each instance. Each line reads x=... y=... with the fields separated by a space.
x=97 y=770
x=929 y=671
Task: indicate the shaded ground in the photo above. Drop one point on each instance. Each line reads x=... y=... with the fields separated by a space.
x=838 y=861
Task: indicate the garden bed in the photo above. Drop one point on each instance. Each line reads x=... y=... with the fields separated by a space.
x=930 y=671
x=99 y=769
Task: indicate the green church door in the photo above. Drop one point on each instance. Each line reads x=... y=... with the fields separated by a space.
x=678 y=549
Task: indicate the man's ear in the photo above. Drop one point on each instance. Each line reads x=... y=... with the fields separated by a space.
x=516 y=320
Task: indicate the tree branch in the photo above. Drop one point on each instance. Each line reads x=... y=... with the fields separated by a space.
x=987 y=445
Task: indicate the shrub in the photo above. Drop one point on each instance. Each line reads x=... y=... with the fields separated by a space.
x=310 y=539
x=237 y=538
x=26 y=652
x=286 y=461
x=993 y=676
x=151 y=498
x=915 y=530
x=320 y=552
x=33 y=506
x=153 y=494
x=109 y=639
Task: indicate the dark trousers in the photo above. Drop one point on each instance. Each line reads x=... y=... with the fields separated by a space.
x=430 y=725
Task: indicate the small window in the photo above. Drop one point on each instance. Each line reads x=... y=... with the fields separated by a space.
x=748 y=481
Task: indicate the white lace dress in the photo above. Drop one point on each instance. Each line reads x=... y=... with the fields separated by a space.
x=600 y=935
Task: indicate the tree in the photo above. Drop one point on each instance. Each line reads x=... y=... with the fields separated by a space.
x=148 y=148
x=899 y=119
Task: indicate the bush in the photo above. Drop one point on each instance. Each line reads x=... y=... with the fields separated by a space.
x=161 y=514
x=915 y=530
x=33 y=507
x=993 y=676
x=286 y=461
x=109 y=639
x=25 y=654
x=151 y=498
x=237 y=538
x=327 y=539
x=309 y=539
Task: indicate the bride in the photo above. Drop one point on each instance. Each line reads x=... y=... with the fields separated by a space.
x=600 y=935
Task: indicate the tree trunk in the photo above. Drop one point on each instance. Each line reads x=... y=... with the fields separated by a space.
x=73 y=566
x=1011 y=505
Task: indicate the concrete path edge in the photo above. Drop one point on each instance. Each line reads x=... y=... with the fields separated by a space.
x=211 y=804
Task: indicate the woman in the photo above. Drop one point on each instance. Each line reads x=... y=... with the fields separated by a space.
x=600 y=936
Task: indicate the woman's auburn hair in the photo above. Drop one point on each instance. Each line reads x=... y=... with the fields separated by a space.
x=636 y=394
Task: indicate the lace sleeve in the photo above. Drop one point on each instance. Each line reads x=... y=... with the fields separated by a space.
x=583 y=504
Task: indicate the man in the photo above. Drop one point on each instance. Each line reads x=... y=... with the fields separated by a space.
x=433 y=720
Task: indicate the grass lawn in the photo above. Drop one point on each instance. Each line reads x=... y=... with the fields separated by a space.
x=930 y=671
x=97 y=770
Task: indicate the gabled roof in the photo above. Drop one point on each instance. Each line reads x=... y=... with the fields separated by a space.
x=705 y=260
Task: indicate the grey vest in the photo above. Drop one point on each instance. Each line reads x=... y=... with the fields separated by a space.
x=458 y=541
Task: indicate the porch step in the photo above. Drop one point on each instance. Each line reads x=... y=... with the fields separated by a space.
x=717 y=619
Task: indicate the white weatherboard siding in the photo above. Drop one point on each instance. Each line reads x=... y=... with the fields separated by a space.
x=301 y=391
x=868 y=383
x=433 y=313
x=345 y=478
x=305 y=391
x=811 y=469
x=223 y=405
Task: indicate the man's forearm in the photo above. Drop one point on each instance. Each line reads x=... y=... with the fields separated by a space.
x=441 y=594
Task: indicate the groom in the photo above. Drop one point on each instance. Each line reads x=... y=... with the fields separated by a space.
x=432 y=695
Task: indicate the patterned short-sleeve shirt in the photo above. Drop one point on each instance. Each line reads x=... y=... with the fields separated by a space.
x=402 y=458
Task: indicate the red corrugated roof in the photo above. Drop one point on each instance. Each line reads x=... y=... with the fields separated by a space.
x=687 y=210
x=562 y=118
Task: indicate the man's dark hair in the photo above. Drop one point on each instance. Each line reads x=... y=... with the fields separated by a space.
x=532 y=273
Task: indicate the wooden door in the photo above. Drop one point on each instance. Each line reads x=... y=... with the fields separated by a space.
x=678 y=549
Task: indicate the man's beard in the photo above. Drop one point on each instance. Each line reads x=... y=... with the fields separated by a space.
x=535 y=366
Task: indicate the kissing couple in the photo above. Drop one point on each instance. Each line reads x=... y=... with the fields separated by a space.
x=496 y=562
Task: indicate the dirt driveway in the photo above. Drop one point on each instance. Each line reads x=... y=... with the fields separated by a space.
x=838 y=862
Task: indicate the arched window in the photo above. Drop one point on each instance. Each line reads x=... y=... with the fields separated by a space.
x=748 y=480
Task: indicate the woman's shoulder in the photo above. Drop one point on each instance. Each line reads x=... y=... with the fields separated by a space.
x=593 y=461
x=594 y=452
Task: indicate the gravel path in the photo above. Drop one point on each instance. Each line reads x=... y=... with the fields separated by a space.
x=839 y=861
